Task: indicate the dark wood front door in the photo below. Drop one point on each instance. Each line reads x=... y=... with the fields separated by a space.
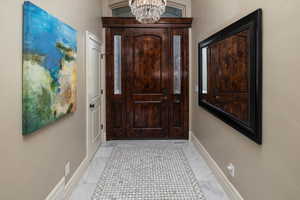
x=148 y=83
x=146 y=80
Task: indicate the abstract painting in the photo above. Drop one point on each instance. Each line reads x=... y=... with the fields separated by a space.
x=49 y=68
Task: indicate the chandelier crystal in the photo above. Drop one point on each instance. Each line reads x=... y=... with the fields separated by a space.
x=147 y=11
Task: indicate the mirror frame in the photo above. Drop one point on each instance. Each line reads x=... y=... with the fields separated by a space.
x=253 y=23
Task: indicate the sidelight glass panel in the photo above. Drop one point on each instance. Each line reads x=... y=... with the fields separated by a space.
x=117 y=65
x=177 y=63
x=204 y=70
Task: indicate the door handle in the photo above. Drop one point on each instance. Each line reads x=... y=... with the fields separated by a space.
x=92 y=105
x=165 y=91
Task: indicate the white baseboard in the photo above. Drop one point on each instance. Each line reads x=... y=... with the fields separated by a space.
x=63 y=191
x=74 y=180
x=229 y=188
x=58 y=191
x=103 y=139
x=190 y=136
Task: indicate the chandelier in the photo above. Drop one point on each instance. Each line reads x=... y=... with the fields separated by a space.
x=147 y=11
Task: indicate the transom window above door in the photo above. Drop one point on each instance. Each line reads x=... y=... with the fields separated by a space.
x=126 y=12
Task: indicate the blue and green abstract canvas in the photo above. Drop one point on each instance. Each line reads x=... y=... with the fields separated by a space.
x=49 y=68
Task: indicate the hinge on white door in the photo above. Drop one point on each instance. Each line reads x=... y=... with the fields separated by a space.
x=102 y=55
x=101 y=126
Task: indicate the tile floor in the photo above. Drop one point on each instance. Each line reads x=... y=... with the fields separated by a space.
x=208 y=183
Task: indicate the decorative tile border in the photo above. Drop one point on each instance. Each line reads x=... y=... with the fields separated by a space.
x=148 y=171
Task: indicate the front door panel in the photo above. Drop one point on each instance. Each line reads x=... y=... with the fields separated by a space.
x=148 y=86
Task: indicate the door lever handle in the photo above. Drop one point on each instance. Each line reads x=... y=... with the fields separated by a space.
x=165 y=91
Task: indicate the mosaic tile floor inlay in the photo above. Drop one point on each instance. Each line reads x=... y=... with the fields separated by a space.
x=147 y=172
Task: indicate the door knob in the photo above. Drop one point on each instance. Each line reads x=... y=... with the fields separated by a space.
x=92 y=105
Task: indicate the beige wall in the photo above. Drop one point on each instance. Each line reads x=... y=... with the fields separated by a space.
x=270 y=171
x=31 y=166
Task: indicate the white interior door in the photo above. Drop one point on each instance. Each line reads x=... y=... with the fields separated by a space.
x=93 y=61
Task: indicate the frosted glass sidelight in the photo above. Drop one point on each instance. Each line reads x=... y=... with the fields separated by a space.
x=117 y=65
x=177 y=63
x=204 y=70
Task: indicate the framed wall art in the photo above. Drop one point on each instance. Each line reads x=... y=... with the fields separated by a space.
x=49 y=68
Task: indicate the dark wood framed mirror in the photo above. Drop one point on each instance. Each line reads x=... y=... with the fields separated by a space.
x=230 y=75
